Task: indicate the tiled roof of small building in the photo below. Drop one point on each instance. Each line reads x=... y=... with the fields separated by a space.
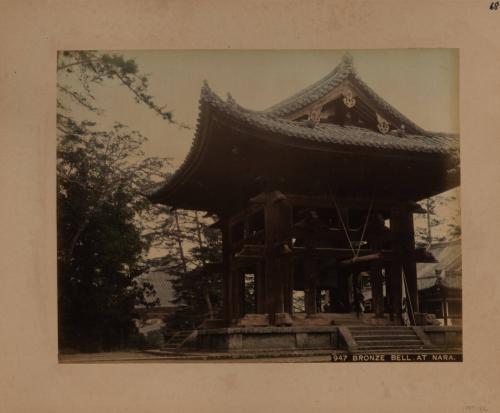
x=449 y=259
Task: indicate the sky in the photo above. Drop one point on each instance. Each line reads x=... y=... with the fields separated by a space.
x=420 y=83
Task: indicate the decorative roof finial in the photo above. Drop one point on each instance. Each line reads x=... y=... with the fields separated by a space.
x=230 y=99
x=347 y=59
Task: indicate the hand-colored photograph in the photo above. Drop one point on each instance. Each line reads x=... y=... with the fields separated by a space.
x=259 y=206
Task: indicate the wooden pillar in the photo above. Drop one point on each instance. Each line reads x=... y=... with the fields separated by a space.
x=227 y=300
x=238 y=292
x=332 y=296
x=278 y=224
x=388 y=289
x=260 y=288
x=404 y=249
x=396 y=292
x=310 y=287
x=409 y=264
x=375 y=231
x=288 y=284
x=377 y=288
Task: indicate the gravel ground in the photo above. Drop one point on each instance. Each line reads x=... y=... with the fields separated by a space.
x=140 y=357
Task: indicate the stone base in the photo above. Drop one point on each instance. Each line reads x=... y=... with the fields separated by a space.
x=303 y=319
x=444 y=336
x=253 y=320
x=283 y=319
x=268 y=338
x=425 y=319
x=213 y=323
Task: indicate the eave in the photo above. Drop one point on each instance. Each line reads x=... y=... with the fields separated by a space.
x=264 y=128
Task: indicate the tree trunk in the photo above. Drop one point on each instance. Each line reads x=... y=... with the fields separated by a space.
x=429 y=234
x=77 y=235
x=200 y=242
x=198 y=229
x=209 y=305
x=179 y=242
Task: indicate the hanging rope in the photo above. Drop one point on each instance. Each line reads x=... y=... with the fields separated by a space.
x=355 y=253
x=408 y=298
x=342 y=222
x=364 y=227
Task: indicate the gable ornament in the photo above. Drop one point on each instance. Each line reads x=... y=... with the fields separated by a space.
x=315 y=115
x=348 y=98
x=382 y=125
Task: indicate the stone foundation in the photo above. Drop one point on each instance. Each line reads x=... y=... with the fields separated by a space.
x=268 y=338
x=444 y=336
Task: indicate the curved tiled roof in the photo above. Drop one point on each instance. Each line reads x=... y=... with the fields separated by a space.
x=271 y=124
x=327 y=133
x=292 y=132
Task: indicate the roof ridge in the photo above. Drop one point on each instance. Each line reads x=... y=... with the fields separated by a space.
x=347 y=67
x=320 y=88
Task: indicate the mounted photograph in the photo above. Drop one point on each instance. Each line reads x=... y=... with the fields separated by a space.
x=259 y=206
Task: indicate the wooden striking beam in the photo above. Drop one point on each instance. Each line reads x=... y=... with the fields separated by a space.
x=362 y=258
x=334 y=234
x=326 y=251
x=251 y=251
x=253 y=239
x=245 y=213
x=258 y=251
x=327 y=202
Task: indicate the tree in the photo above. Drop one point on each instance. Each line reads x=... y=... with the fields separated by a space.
x=102 y=211
x=198 y=283
x=440 y=222
x=101 y=250
x=93 y=69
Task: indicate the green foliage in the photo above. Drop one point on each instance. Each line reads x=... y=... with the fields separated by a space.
x=437 y=225
x=93 y=68
x=100 y=245
x=102 y=176
x=198 y=286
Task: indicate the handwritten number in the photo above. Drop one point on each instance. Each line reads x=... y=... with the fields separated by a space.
x=494 y=5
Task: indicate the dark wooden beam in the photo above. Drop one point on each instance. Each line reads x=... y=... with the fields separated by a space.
x=327 y=202
x=362 y=258
x=249 y=251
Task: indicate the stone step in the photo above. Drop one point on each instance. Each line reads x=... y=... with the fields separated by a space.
x=373 y=327
x=417 y=350
x=389 y=343
x=381 y=333
x=391 y=346
x=387 y=337
x=176 y=340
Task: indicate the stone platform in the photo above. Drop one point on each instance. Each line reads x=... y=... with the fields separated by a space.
x=268 y=338
x=326 y=331
x=360 y=337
